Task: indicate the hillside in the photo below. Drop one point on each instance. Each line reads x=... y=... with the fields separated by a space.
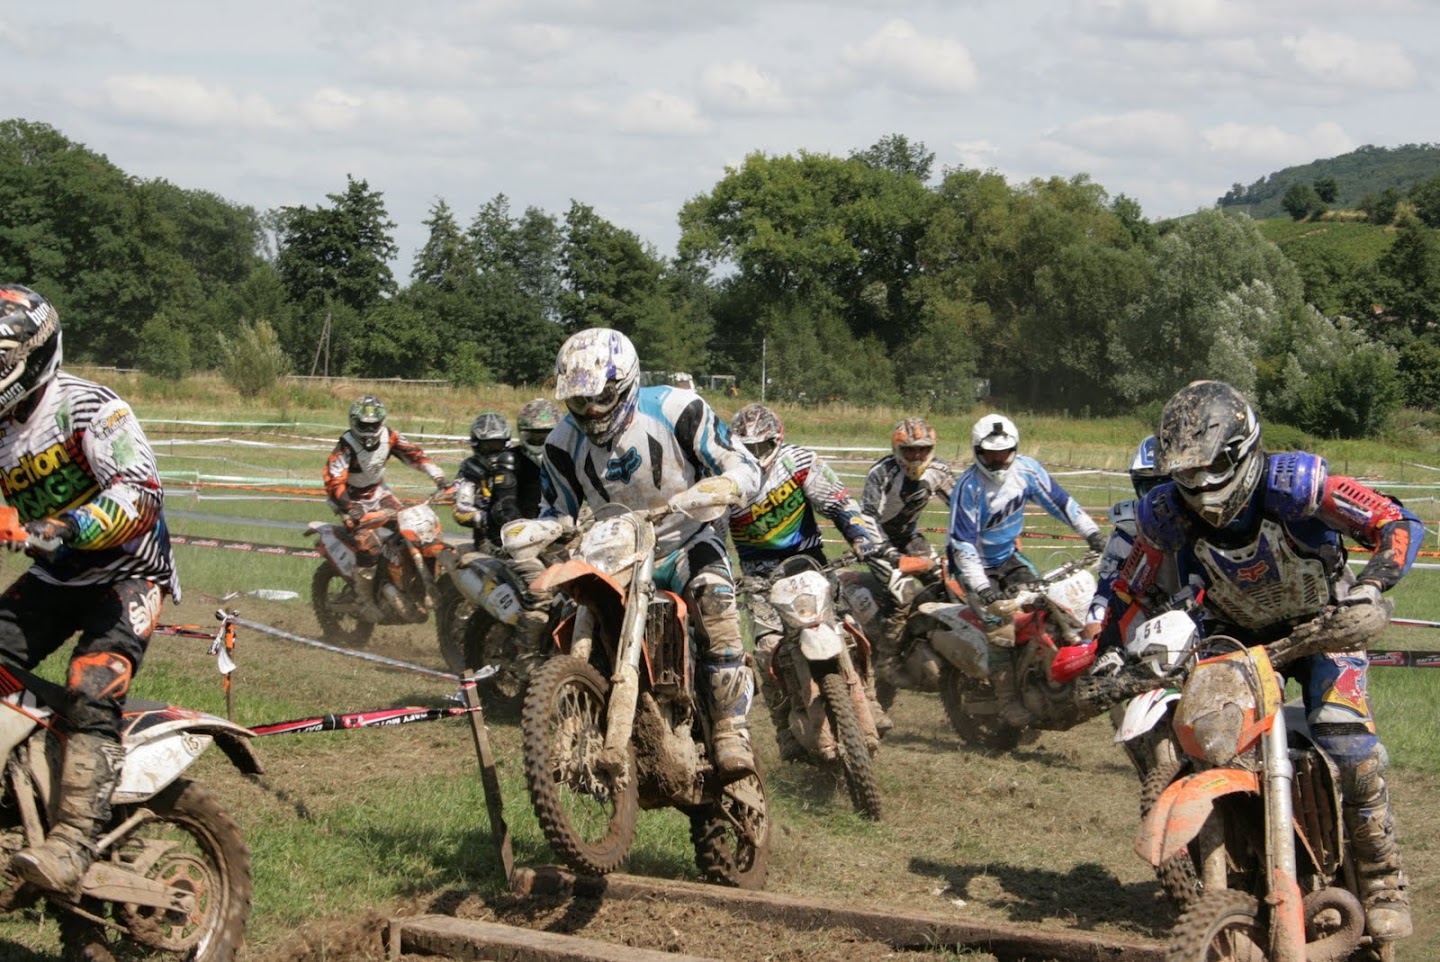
x=1366 y=170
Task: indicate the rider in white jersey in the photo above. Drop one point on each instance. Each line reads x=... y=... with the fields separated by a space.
x=621 y=443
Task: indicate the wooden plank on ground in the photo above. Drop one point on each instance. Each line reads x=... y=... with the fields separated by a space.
x=901 y=929
x=472 y=940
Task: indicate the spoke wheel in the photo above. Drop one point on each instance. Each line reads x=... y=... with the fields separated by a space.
x=1223 y=926
x=958 y=692
x=854 y=756
x=192 y=844
x=329 y=589
x=732 y=836
x=587 y=813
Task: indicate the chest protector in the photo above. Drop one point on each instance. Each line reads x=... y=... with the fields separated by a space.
x=367 y=468
x=1265 y=582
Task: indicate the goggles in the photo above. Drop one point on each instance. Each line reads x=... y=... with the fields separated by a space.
x=761 y=449
x=915 y=453
x=535 y=438
x=995 y=459
x=596 y=406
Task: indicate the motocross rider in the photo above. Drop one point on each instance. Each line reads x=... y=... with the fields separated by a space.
x=76 y=467
x=779 y=523
x=987 y=514
x=1112 y=632
x=639 y=447
x=1264 y=532
x=355 y=477
x=486 y=495
x=537 y=418
x=897 y=489
x=496 y=487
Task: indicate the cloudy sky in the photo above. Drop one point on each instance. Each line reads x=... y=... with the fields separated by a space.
x=635 y=106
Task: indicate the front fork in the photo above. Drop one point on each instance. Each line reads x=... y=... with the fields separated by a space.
x=1287 y=912
x=625 y=682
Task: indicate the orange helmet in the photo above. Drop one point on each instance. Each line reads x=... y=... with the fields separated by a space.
x=914 y=446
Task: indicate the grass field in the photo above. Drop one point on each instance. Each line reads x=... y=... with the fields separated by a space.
x=344 y=824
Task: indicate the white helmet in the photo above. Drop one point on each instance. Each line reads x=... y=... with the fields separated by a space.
x=994 y=440
x=597 y=377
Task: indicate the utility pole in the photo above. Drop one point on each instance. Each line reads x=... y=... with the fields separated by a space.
x=322 y=347
x=764 y=343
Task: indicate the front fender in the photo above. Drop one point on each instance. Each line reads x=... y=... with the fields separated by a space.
x=1182 y=809
x=821 y=643
x=158 y=751
x=1144 y=711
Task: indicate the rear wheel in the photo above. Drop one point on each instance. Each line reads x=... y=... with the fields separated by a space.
x=972 y=708
x=1223 y=926
x=854 y=756
x=586 y=812
x=732 y=836
x=192 y=843
x=333 y=599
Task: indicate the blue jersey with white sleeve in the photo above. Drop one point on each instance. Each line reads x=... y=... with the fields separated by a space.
x=987 y=516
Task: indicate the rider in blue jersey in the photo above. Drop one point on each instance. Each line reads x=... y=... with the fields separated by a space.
x=640 y=447
x=1263 y=532
x=987 y=514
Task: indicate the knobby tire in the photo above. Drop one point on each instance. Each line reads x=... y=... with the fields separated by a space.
x=563 y=728
x=216 y=868
x=722 y=854
x=1224 y=926
x=854 y=756
x=1177 y=874
x=982 y=731
x=337 y=629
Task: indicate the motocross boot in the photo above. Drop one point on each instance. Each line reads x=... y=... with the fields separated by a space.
x=531 y=635
x=88 y=776
x=883 y=722
x=731 y=690
x=1370 y=823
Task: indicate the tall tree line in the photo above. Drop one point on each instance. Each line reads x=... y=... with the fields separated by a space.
x=867 y=278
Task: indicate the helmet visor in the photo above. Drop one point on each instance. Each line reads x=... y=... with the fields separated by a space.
x=535 y=438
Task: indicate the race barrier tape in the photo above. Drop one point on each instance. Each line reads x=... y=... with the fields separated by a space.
x=248 y=546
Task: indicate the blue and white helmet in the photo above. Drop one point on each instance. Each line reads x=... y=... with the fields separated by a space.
x=1144 y=472
x=994 y=439
x=597 y=378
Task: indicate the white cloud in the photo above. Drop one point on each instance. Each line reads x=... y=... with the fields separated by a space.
x=1337 y=58
x=537 y=40
x=741 y=87
x=1269 y=144
x=652 y=112
x=976 y=154
x=187 y=102
x=420 y=60
x=900 y=55
x=1136 y=131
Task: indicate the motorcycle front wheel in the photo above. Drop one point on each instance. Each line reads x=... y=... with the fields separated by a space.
x=1224 y=926
x=330 y=593
x=732 y=835
x=471 y=638
x=190 y=843
x=586 y=812
x=854 y=756
x=1178 y=875
x=960 y=694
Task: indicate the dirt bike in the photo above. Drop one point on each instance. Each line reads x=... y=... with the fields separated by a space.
x=348 y=605
x=481 y=600
x=913 y=581
x=1259 y=815
x=1031 y=640
x=612 y=723
x=172 y=872
x=821 y=665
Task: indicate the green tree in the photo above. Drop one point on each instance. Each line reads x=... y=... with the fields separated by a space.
x=1419 y=369
x=898 y=155
x=1381 y=208
x=1219 y=292
x=1302 y=202
x=165 y=350
x=1426 y=199
x=254 y=360
x=610 y=278
x=445 y=262
x=1327 y=190
x=1410 y=277
x=1334 y=381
